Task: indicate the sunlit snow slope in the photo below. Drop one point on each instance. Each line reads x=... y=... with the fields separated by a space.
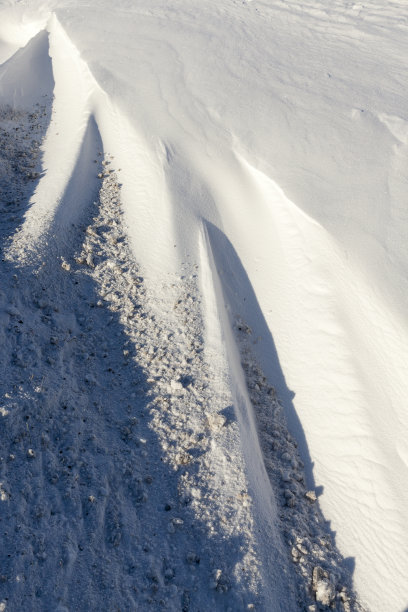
x=267 y=141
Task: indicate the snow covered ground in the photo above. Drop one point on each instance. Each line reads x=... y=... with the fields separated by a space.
x=203 y=302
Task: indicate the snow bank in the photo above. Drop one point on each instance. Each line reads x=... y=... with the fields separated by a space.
x=289 y=137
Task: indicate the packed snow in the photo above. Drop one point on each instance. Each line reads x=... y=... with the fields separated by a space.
x=203 y=305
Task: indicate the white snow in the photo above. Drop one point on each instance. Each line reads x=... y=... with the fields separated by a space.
x=203 y=305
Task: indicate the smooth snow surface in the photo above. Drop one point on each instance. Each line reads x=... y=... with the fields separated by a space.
x=204 y=234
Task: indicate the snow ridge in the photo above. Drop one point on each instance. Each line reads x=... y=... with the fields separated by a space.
x=100 y=387
x=323 y=575
x=182 y=403
x=132 y=470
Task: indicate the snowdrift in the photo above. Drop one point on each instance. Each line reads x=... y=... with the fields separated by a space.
x=248 y=257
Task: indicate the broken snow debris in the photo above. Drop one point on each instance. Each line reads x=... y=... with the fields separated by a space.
x=219 y=582
x=322 y=586
x=311 y=496
x=216 y=421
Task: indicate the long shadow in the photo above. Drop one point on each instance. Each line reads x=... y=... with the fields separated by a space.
x=27 y=77
x=241 y=297
x=84 y=184
x=86 y=495
x=242 y=302
x=26 y=90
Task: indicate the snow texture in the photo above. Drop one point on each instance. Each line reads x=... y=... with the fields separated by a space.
x=203 y=306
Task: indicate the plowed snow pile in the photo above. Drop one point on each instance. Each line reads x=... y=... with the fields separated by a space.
x=203 y=230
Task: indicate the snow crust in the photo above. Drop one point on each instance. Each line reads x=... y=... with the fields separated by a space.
x=252 y=201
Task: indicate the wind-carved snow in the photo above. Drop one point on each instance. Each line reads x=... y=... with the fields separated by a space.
x=311 y=547
x=186 y=446
x=120 y=427
x=182 y=407
x=122 y=443
x=322 y=573
x=120 y=466
x=115 y=468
